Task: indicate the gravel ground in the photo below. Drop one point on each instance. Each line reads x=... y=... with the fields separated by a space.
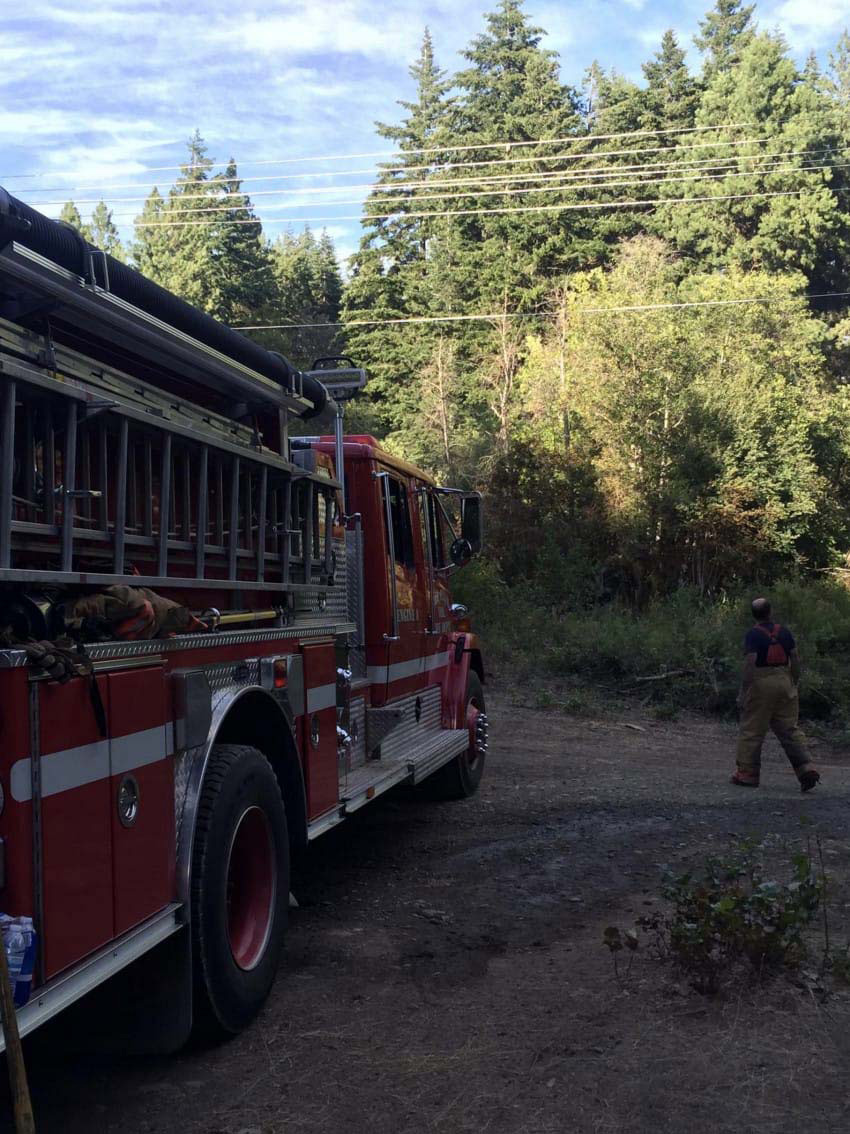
x=445 y=971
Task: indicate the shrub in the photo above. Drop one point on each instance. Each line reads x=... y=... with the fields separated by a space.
x=698 y=638
x=734 y=912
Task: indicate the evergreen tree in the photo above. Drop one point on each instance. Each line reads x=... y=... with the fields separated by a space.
x=150 y=247
x=512 y=91
x=836 y=85
x=310 y=289
x=777 y=206
x=672 y=94
x=204 y=242
x=245 y=278
x=391 y=270
x=70 y=214
x=104 y=232
x=724 y=33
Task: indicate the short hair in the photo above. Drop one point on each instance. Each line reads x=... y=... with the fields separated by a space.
x=761 y=609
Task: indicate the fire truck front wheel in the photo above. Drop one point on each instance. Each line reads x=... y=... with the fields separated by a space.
x=460 y=777
x=240 y=887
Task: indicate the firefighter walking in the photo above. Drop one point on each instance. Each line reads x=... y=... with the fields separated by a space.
x=769 y=700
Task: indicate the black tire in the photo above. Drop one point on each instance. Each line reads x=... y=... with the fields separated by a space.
x=241 y=820
x=461 y=776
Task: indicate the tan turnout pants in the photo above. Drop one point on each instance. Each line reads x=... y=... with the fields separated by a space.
x=771 y=703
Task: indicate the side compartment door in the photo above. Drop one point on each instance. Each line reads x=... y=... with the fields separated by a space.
x=318 y=724
x=141 y=796
x=76 y=823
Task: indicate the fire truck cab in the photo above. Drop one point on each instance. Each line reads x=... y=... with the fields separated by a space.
x=154 y=791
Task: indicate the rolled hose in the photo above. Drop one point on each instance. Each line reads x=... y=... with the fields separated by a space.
x=63 y=245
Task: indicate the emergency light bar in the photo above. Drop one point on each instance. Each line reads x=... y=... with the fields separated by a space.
x=341 y=382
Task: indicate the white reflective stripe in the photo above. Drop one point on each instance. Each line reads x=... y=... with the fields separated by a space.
x=322 y=697
x=74 y=767
x=139 y=749
x=399 y=670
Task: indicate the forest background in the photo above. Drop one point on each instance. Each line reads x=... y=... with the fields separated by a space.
x=645 y=369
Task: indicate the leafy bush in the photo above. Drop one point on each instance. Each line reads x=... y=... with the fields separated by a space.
x=697 y=639
x=734 y=912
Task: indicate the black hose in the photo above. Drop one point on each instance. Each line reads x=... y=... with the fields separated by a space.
x=63 y=245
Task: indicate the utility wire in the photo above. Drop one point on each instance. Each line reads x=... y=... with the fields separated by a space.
x=628 y=203
x=778 y=169
x=577 y=176
x=449 y=165
x=570 y=139
x=577 y=310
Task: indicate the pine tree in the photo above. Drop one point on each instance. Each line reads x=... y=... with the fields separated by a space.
x=672 y=94
x=70 y=214
x=390 y=271
x=309 y=285
x=204 y=243
x=836 y=85
x=778 y=208
x=104 y=232
x=246 y=285
x=150 y=247
x=513 y=92
x=724 y=33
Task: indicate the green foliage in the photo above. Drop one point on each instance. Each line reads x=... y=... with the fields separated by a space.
x=724 y=32
x=697 y=640
x=735 y=911
x=100 y=231
x=672 y=93
x=203 y=242
x=310 y=289
x=629 y=446
x=730 y=220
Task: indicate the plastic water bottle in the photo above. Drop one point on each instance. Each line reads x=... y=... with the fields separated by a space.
x=19 y=943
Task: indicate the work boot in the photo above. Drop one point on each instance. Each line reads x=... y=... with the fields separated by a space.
x=808 y=776
x=742 y=778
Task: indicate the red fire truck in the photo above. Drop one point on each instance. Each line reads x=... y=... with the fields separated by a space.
x=149 y=805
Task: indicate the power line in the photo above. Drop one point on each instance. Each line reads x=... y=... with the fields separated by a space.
x=579 y=310
x=570 y=139
x=426 y=165
x=577 y=176
x=777 y=169
x=628 y=203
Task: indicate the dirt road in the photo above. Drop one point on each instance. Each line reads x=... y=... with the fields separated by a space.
x=445 y=972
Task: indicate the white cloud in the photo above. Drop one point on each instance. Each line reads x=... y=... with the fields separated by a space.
x=809 y=25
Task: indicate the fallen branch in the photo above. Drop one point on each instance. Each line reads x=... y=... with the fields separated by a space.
x=669 y=673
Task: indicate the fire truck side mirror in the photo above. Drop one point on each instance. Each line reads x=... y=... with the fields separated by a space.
x=471 y=525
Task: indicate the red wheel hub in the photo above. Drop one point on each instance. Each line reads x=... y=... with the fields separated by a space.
x=251 y=886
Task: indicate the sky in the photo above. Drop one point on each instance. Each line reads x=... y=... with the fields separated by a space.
x=100 y=96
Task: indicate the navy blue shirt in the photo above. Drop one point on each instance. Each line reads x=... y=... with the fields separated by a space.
x=757 y=642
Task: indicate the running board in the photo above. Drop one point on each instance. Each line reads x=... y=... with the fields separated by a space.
x=445 y=746
x=377 y=777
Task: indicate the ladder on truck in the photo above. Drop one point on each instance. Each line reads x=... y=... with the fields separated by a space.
x=106 y=478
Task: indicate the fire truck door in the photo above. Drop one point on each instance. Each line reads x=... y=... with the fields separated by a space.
x=436 y=537
x=141 y=796
x=319 y=739
x=107 y=811
x=407 y=597
x=76 y=840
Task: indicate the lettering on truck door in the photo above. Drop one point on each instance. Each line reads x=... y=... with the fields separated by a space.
x=408 y=598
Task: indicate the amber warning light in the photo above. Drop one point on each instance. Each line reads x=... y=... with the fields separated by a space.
x=279 y=672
